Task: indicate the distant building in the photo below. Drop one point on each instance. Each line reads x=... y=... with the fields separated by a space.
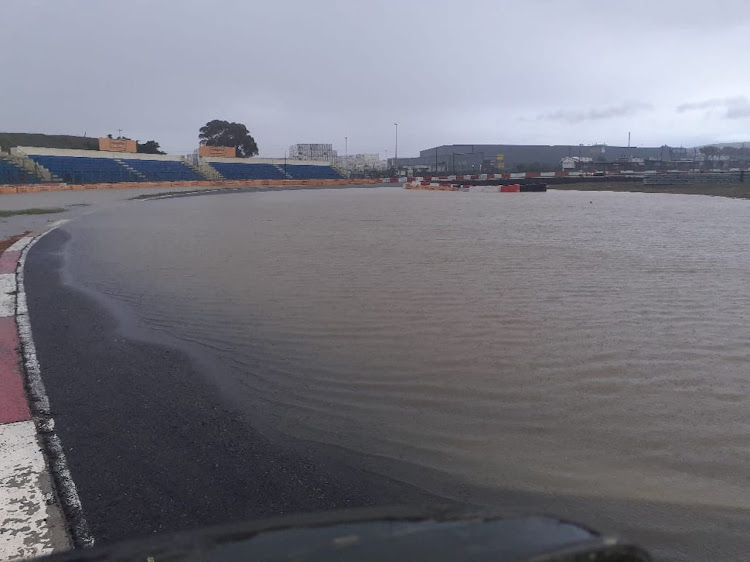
x=319 y=152
x=574 y=162
x=361 y=162
x=493 y=158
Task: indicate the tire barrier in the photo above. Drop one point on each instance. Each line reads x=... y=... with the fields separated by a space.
x=533 y=187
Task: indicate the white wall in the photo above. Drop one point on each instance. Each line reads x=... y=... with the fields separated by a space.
x=41 y=151
x=277 y=161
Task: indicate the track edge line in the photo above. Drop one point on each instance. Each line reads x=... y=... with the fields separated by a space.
x=65 y=488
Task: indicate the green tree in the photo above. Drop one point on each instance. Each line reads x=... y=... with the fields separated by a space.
x=148 y=147
x=224 y=133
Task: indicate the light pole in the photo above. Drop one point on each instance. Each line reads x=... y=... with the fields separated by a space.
x=346 y=155
x=395 y=154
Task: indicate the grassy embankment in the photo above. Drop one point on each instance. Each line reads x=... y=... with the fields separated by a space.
x=8 y=140
x=736 y=190
x=32 y=211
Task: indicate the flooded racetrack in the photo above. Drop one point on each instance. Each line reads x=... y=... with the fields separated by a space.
x=584 y=354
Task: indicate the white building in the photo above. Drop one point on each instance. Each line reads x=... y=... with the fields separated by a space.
x=361 y=162
x=574 y=162
x=320 y=152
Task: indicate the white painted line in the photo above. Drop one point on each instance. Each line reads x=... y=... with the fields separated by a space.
x=57 y=223
x=67 y=492
x=30 y=521
x=20 y=244
x=7 y=294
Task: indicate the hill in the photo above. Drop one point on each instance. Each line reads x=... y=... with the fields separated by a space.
x=8 y=140
x=727 y=144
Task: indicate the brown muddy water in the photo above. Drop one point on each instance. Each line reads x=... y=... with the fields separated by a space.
x=583 y=354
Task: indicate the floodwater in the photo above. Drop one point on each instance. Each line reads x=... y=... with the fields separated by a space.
x=585 y=354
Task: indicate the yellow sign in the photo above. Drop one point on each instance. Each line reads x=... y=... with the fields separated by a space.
x=117 y=145
x=217 y=151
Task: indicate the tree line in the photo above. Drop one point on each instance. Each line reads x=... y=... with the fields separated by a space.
x=214 y=133
x=734 y=153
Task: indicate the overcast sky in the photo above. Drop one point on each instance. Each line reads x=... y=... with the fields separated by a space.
x=464 y=71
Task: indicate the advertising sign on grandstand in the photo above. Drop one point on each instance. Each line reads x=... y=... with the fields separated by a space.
x=217 y=151
x=117 y=145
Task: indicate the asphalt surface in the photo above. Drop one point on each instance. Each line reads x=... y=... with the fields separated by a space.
x=150 y=443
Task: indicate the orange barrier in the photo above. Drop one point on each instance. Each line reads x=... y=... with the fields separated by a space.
x=37 y=187
x=512 y=188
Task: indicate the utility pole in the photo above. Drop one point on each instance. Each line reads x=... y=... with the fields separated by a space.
x=346 y=154
x=119 y=133
x=628 y=139
x=395 y=154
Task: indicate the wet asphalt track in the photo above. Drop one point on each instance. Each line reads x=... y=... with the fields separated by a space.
x=151 y=446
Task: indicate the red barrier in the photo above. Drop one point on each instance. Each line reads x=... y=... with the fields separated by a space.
x=512 y=188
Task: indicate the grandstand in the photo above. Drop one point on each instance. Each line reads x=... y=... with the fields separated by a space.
x=313 y=172
x=28 y=164
x=162 y=170
x=248 y=171
x=272 y=169
x=93 y=166
x=12 y=173
x=77 y=169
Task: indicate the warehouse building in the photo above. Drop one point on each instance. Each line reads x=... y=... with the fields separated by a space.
x=494 y=158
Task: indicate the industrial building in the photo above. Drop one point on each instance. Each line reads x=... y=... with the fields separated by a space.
x=494 y=158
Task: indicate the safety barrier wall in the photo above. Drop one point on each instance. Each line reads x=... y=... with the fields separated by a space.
x=532 y=175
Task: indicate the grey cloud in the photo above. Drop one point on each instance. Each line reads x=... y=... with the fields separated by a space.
x=740 y=111
x=300 y=71
x=737 y=107
x=625 y=109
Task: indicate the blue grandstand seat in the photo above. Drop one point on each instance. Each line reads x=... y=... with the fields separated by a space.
x=81 y=169
x=164 y=170
x=10 y=173
x=313 y=172
x=247 y=171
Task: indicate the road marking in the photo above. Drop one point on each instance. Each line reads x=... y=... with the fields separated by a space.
x=30 y=522
x=13 y=404
x=20 y=244
x=40 y=409
x=7 y=294
x=36 y=487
